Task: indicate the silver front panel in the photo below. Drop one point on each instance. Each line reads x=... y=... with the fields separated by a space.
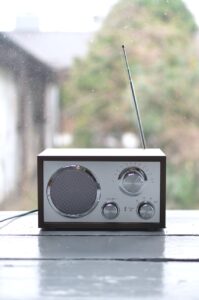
x=106 y=175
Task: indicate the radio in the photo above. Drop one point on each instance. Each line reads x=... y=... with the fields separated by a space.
x=106 y=189
x=102 y=188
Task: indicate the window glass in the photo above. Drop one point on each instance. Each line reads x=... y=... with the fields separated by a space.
x=63 y=83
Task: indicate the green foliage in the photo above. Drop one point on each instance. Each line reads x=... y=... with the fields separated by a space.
x=159 y=36
x=169 y=11
x=182 y=185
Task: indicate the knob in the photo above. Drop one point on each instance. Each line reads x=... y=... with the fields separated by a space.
x=110 y=210
x=146 y=210
x=132 y=180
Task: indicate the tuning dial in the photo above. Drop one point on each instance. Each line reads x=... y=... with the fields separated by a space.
x=132 y=180
x=146 y=210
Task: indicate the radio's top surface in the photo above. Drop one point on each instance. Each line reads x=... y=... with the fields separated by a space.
x=119 y=152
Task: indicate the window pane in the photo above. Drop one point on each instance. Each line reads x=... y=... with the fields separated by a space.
x=63 y=83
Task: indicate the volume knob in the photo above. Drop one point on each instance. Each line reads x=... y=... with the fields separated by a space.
x=132 y=180
x=146 y=210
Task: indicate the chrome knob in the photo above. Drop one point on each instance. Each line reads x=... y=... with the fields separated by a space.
x=146 y=210
x=110 y=210
x=132 y=180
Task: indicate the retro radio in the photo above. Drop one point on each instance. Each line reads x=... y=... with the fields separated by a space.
x=106 y=189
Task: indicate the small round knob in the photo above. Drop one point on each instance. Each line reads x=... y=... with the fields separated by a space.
x=132 y=180
x=146 y=210
x=110 y=210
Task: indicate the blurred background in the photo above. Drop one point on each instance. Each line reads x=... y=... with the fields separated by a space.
x=63 y=83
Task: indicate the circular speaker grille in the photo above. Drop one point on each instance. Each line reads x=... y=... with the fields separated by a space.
x=73 y=191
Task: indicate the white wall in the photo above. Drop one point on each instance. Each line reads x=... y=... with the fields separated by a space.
x=52 y=114
x=9 y=162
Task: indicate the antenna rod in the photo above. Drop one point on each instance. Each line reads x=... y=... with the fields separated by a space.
x=134 y=100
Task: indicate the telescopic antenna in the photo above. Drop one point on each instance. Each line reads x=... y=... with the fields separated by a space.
x=134 y=100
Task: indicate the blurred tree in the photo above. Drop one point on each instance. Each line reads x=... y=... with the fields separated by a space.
x=159 y=36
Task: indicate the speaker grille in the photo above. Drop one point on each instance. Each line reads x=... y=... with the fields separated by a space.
x=73 y=191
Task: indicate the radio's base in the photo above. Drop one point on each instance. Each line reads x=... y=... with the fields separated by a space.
x=104 y=189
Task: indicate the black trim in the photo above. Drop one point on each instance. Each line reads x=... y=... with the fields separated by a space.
x=102 y=158
x=40 y=192
x=100 y=226
x=163 y=192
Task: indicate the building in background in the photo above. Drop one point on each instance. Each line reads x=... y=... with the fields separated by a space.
x=29 y=98
x=32 y=66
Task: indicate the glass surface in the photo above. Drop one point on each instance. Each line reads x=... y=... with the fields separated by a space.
x=63 y=83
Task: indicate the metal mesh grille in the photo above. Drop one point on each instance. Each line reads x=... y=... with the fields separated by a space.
x=73 y=191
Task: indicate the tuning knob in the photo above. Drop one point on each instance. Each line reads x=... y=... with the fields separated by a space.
x=131 y=180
